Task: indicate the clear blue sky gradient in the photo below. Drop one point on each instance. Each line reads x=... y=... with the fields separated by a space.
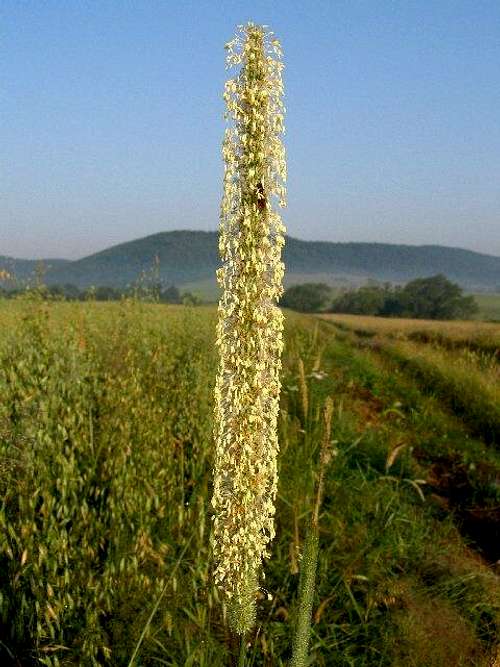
x=111 y=120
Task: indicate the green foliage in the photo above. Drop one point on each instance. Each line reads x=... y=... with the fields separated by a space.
x=105 y=478
x=108 y=466
x=369 y=300
x=434 y=298
x=307 y=298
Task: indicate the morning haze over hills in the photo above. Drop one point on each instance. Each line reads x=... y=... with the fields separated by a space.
x=189 y=259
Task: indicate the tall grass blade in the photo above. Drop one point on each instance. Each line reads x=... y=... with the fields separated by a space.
x=157 y=604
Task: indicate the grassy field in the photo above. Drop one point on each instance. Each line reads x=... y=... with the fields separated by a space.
x=489 y=306
x=471 y=334
x=106 y=463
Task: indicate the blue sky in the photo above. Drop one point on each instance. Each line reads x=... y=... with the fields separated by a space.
x=111 y=120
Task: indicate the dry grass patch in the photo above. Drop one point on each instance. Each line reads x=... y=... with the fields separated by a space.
x=434 y=634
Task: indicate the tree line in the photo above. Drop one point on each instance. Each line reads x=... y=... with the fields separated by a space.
x=68 y=292
x=434 y=297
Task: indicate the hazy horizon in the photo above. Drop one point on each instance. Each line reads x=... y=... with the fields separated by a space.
x=112 y=121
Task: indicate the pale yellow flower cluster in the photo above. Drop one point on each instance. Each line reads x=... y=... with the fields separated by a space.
x=250 y=324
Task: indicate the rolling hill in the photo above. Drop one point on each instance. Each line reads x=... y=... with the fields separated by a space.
x=191 y=258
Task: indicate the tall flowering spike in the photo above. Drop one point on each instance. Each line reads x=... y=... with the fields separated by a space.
x=250 y=324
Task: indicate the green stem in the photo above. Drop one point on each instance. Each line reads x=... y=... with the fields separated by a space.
x=309 y=563
x=306 y=596
x=241 y=659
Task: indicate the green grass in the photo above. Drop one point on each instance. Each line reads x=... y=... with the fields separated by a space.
x=455 y=334
x=206 y=290
x=489 y=306
x=470 y=391
x=106 y=458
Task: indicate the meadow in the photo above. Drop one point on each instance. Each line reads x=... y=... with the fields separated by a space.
x=106 y=455
x=483 y=337
x=489 y=305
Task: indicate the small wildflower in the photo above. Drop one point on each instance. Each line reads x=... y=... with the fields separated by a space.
x=318 y=375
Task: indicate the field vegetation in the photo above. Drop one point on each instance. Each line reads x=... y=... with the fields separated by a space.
x=477 y=336
x=106 y=457
x=489 y=305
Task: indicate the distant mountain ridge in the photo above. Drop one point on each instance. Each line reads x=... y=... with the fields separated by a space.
x=187 y=257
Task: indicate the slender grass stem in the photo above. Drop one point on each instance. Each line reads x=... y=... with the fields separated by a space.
x=306 y=596
x=157 y=603
x=309 y=563
x=241 y=659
